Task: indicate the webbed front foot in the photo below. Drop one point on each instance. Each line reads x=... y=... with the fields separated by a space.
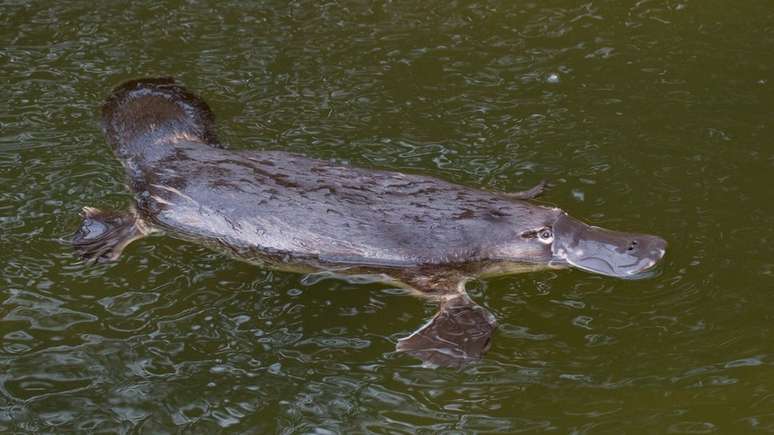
x=529 y=193
x=459 y=334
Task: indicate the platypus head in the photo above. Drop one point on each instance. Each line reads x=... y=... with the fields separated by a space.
x=612 y=253
x=568 y=242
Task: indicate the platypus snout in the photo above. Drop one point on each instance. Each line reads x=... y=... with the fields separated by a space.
x=612 y=253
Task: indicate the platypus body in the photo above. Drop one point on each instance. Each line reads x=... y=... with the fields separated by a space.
x=295 y=213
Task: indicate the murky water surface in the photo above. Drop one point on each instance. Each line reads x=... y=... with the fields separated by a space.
x=652 y=116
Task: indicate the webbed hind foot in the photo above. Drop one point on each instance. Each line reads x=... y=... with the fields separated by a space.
x=103 y=235
x=459 y=334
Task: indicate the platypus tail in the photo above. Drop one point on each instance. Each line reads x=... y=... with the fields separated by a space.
x=154 y=113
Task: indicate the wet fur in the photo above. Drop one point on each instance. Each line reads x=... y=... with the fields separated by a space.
x=297 y=213
x=302 y=210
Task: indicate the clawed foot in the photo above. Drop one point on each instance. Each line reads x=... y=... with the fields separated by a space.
x=459 y=334
x=530 y=193
x=103 y=235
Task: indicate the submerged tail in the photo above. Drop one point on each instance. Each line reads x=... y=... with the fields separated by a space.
x=153 y=113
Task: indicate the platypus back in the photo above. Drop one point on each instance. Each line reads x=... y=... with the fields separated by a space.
x=145 y=118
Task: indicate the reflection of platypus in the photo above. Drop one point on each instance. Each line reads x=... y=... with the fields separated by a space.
x=295 y=213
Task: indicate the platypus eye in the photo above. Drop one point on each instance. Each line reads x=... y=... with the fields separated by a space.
x=544 y=235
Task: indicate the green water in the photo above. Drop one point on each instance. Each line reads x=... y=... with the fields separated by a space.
x=650 y=116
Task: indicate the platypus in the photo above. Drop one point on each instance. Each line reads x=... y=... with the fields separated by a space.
x=296 y=213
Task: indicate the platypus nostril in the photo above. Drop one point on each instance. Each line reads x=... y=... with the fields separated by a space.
x=632 y=245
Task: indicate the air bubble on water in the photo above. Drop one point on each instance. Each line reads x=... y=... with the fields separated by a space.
x=553 y=78
x=240 y=319
x=219 y=369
